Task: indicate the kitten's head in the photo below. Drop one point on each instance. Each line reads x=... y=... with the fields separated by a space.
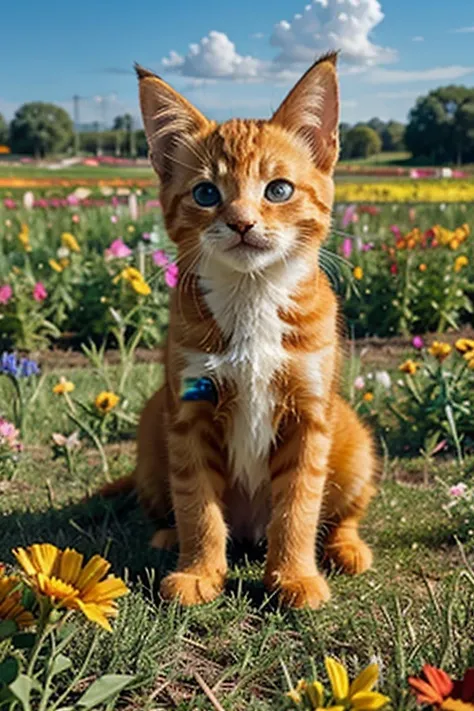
x=246 y=193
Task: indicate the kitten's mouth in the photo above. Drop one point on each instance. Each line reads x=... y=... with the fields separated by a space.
x=250 y=244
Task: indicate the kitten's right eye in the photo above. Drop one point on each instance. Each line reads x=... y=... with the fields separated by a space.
x=206 y=194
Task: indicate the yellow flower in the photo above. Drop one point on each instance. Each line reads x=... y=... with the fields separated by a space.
x=460 y=263
x=469 y=356
x=24 y=237
x=55 y=265
x=60 y=575
x=106 y=401
x=131 y=229
x=367 y=397
x=64 y=262
x=64 y=386
x=422 y=267
x=358 y=273
x=10 y=601
x=463 y=345
x=135 y=279
x=409 y=366
x=359 y=694
x=440 y=350
x=454 y=244
x=68 y=240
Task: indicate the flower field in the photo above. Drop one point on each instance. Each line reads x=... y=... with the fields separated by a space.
x=86 y=271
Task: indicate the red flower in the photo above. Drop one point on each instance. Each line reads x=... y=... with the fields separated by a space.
x=464 y=690
x=394 y=268
x=437 y=687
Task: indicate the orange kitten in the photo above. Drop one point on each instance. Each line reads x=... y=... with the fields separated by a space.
x=262 y=444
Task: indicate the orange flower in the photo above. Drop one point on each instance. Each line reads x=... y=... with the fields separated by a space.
x=409 y=366
x=422 y=267
x=358 y=273
x=440 y=350
x=434 y=689
x=367 y=397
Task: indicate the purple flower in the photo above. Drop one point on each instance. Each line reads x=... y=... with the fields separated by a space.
x=9 y=365
x=418 y=342
x=367 y=247
x=160 y=258
x=39 y=292
x=118 y=250
x=395 y=230
x=458 y=489
x=359 y=383
x=346 y=248
x=171 y=275
x=6 y=293
x=348 y=216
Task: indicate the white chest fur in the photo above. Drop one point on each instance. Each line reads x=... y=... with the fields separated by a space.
x=246 y=307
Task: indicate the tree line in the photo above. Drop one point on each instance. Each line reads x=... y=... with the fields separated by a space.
x=440 y=130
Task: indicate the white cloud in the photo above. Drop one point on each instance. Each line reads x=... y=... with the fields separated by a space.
x=257 y=35
x=462 y=30
x=418 y=38
x=397 y=95
x=323 y=25
x=344 y=25
x=400 y=76
x=214 y=57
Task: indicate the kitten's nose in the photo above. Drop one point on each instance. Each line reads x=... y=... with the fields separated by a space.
x=241 y=227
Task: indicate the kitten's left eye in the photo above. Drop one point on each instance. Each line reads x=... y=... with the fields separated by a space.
x=279 y=191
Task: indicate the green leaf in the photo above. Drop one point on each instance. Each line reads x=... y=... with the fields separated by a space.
x=103 y=689
x=9 y=669
x=21 y=687
x=24 y=640
x=60 y=664
x=7 y=629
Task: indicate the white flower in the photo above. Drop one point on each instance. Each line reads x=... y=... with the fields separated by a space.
x=28 y=200
x=63 y=252
x=384 y=379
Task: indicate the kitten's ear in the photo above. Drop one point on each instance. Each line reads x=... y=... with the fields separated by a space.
x=166 y=115
x=312 y=110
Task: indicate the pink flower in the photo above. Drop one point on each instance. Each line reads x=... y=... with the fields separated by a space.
x=367 y=247
x=418 y=342
x=171 y=275
x=160 y=258
x=39 y=292
x=395 y=230
x=118 y=250
x=146 y=236
x=346 y=248
x=359 y=383
x=6 y=293
x=114 y=219
x=458 y=489
x=9 y=434
x=412 y=214
x=72 y=200
x=9 y=204
x=348 y=216
x=75 y=218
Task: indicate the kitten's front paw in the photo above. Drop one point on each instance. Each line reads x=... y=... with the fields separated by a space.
x=310 y=592
x=191 y=589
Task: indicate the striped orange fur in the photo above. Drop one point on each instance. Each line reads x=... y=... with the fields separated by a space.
x=281 y=452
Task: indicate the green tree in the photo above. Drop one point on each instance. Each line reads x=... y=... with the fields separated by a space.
x=362 y=141
x=439 y=126
x=393 y=136
x=39 y=129
x=3 y=131
x=123 y=123
x=377 y=124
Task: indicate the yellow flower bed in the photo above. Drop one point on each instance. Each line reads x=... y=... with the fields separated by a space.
x=410 y=191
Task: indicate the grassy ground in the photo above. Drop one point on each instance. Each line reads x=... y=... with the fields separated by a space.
x=416 y=604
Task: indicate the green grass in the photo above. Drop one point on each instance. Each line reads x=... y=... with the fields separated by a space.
x=411 y=608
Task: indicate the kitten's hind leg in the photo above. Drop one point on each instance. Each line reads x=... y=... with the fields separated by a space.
x=350 y=487
x=165 y=539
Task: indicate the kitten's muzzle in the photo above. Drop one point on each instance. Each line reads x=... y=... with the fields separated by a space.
x=247 y=238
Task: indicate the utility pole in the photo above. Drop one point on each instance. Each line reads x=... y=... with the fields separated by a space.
x=133 y=143
x=75 y=101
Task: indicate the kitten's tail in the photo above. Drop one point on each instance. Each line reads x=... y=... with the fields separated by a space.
x=124 y=485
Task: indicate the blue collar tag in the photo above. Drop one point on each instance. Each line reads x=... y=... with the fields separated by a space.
x=198 y=389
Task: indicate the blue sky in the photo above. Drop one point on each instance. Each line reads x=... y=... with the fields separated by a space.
x=244 y=55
